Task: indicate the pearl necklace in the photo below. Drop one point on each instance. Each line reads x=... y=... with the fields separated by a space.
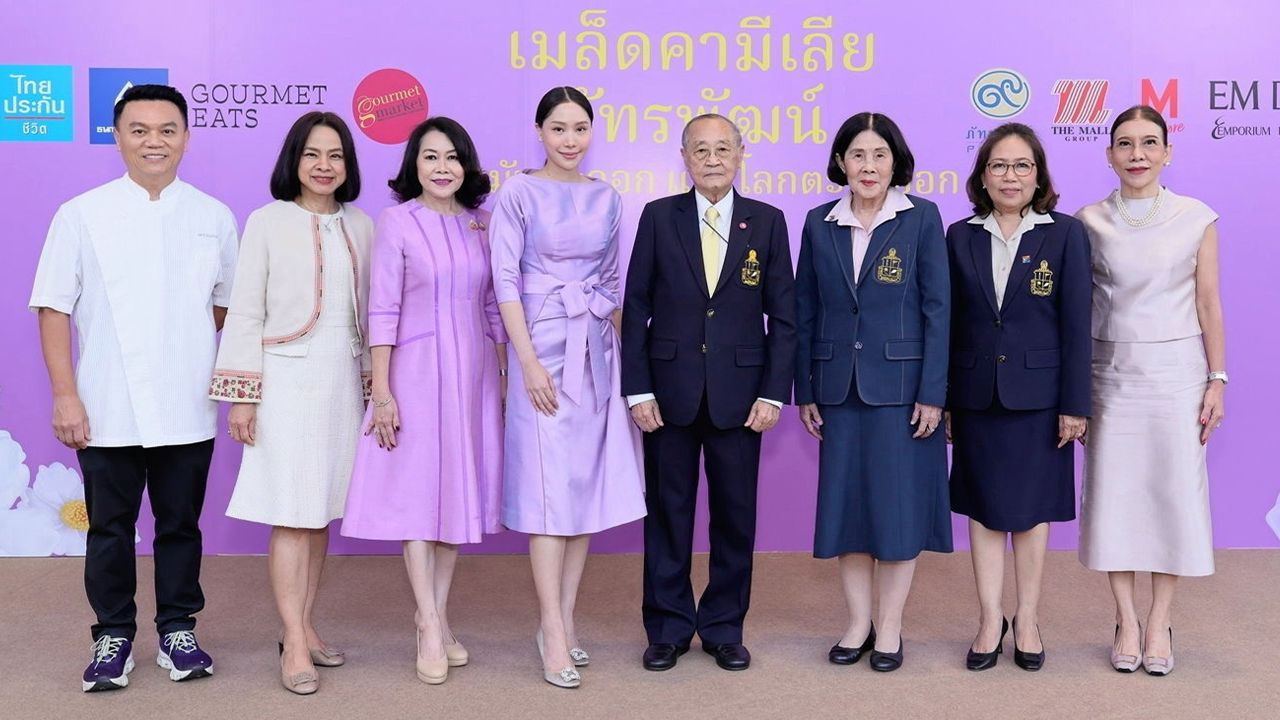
x=1145 y=219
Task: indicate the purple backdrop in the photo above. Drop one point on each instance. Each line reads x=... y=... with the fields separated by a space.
x=788 y=77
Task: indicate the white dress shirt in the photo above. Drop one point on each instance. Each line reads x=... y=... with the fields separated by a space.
x=722 y=225
x=139 y=278
x=1004 y=251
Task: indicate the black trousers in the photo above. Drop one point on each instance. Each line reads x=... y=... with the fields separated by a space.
x=671 y=480
x=114 y=478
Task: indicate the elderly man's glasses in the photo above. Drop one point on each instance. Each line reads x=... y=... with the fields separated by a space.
x=703 y=154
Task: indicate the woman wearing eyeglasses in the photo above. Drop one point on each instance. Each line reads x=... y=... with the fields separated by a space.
x=1018 y=385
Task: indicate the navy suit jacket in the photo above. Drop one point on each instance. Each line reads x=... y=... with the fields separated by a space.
x=886 y=336
x=681 y=344
x=1036 y=349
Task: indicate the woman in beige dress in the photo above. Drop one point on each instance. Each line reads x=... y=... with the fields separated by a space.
x=1158 y=384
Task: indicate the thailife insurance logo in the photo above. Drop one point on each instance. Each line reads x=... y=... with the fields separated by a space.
x=388 y=104
x=1000 y=93
x=35 y=103
x=106 y=87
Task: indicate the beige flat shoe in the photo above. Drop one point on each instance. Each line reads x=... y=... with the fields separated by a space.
x=303 y=683
x=328 y=656
x=431 y=672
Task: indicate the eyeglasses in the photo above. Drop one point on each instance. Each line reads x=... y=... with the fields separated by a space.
x=1022 y=168
x=722 y=153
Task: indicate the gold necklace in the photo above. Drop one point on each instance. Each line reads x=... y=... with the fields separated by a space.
x=1145 y=219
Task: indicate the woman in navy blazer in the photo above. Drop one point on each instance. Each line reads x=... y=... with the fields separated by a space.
x=1018 y=391
x=872 y=306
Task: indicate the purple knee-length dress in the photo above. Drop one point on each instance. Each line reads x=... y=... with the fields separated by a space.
x=431 y=297
x=555 y=251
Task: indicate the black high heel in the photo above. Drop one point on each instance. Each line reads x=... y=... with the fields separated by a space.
x=985 y=661
x=840 y=655
x=886 y=662
x=1030 y=662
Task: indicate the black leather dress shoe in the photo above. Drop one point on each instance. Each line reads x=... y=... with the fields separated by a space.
x=887 y=662
x=663 y=656
x=985 y=661
x=730 y=656
x=1028 y=661
x=840 y=655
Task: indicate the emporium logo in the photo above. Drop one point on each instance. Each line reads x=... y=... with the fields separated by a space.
x=1082 y=110
x=35 y=103
x=1222 y=130
x=1000 y=93
x=106 y=87
x=388 y=104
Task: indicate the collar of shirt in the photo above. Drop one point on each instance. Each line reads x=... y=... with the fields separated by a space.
x=895 y=202
x=724 y=207
x=328 y=221
x=991 y=225
x=134 y=191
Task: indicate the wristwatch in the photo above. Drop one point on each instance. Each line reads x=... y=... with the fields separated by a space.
x=1218 y=375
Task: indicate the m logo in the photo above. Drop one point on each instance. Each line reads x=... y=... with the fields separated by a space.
x=1081 y=102
x=1166 y=102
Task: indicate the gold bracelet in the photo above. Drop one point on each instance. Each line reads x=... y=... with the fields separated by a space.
x=384 y=403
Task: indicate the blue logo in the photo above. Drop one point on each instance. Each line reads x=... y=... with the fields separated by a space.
x=1000 y=93
x=106 y=85
x=35 y=103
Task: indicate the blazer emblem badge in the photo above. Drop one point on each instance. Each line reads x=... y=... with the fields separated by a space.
x=1042 y=280
x=890 y=268
x=751 y=270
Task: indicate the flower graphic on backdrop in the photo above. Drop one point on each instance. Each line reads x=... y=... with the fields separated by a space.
x=1273 y=517
x=15 y=476
x=52 y=520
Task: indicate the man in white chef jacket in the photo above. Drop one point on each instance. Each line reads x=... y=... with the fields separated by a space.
x=142 y=266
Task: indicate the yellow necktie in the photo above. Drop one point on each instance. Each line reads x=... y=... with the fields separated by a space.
x=711 y=249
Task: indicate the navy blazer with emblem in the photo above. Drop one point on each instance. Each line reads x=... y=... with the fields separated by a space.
x=1035 y=348
x=681 y=343
x=884 y=337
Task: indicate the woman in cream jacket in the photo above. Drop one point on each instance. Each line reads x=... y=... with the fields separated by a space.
x=294 y=361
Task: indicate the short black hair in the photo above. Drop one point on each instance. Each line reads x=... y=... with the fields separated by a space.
x=904 y=163
x=1043 y=200
x=284 y=178
x=557 y=96
x=150 y=92
x=475 y=183
x=1141 y=112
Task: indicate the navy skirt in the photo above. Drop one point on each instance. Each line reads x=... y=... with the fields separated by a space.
x=1007 y=471
x=880 y=491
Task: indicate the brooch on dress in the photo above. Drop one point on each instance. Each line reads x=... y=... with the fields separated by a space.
x=476 y=225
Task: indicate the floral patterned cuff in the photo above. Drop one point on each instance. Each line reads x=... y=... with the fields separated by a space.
x=236 y=386
x=366 y=383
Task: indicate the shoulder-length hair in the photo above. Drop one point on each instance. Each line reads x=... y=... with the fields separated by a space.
x=475 y=183
x=1043 y=200
x=904 y=163
x=285 y=184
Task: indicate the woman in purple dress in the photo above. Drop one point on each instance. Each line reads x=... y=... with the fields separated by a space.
x=428 y=469
x=572 y=464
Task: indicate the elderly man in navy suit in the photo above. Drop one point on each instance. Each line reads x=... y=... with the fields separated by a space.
x=708 y=338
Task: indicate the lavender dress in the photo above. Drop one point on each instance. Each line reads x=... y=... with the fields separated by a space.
x=431 y=297
x=555 y=250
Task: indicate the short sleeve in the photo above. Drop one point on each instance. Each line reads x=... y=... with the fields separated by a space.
x=228 y=246
x=59 y=277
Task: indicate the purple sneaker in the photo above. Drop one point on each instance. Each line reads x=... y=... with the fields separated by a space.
x=182 y=657
x=112 y=663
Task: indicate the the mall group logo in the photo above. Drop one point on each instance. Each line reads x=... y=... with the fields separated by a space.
x=1000 y=93
x=35 y=103
x=1082 y=112
x=106 y=87
x=388 y=104
x=1243 y=96
x=236 y=105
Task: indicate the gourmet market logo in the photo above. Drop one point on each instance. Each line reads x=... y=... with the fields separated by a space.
x=106 y=87
x=388 y=104
x=35 y=103
x=1000 y=93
